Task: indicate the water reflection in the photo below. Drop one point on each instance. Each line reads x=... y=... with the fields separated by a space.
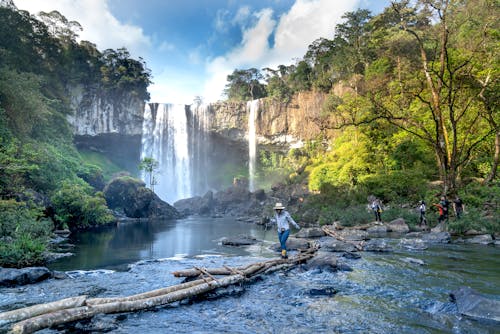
x=115 y=247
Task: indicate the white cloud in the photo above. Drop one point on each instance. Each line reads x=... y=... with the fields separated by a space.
x=166 y=46
x=306 y=21
x=99 y=25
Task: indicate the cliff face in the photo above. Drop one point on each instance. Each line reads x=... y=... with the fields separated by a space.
x=111 y=125
x=276 y=123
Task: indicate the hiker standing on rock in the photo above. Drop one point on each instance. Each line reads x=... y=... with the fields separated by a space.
x=377 y=209
x=422 y=208
x=282 y=219
x=458 y=205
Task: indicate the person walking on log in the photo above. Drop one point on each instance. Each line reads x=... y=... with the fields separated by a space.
x=283 y=220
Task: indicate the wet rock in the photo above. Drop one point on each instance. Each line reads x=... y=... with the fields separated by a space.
x=441 y=227
x=53 y=256
x=475 y=305
x=293 y=244
x=353 y=235
x=130 y=195
x=351 y=255
x=413 y=261
x=413 y=244
x=310 y=232
x=334 y=245
x=28 y=275
x=243 y=240
x=98 y=324
x=62 y=233
x=437 y=237
x=326 y=291
x=322 y=261
x=398 y=226
x=484 y=239
x=414 y=235
x=377 y=230
x=377 y=245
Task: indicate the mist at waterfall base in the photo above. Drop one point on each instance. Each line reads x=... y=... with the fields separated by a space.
x=192 y=160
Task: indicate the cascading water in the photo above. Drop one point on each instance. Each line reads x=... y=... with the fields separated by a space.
x=171 y=136
x=253 y=108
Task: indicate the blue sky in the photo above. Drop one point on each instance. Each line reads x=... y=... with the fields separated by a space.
x=192 y=45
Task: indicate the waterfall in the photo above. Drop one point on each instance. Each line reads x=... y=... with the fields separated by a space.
x=176 y=136
x=253 y=108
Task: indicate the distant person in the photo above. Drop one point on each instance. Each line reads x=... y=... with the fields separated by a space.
x=377 y=209
x=422 y=208
x=458 y=206
x=282 y=219
x=443 y=209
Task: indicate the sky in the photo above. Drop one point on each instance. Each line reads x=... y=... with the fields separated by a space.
x=191 y=46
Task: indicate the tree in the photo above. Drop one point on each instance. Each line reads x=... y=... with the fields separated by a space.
x=245 y=85
x=150 y=166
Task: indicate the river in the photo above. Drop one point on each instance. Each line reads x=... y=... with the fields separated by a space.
x=382 y=294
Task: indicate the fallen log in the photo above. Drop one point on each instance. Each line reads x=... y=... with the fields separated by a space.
x=35 y=310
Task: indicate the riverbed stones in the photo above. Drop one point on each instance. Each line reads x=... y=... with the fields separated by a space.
x=398 y=226
x=334 y=245
x=28 y=275
x=322 y=261
x=413 y=244
x=475 y=305
x=377 y=230
x=353 y=235
x=436 y=237
x=293 y=244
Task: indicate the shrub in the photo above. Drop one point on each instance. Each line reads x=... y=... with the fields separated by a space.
x=24 y=234
x=76 y=207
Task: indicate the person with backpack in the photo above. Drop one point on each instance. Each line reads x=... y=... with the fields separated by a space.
x=283 y=220
x=443 y=210
x=377 y=209
x=458 y=206
x=422 y=208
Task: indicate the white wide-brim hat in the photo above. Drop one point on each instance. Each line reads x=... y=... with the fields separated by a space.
x=279 y=206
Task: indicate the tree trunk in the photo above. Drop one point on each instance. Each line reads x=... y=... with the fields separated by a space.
x=496 y=158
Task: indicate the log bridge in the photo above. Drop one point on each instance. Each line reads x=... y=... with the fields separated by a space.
x=37 y=317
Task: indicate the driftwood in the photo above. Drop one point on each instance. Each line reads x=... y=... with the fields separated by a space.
x=34 y=318
x=359 y=246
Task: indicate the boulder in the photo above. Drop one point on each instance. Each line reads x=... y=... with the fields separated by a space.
x=334 y=245
x=377 y=230
x=28 y=275
x=310 y=232
x=484 y=239
x=398 y=226
x=475 y=305
x=322 y=261
x=352 y=234
x=412 y=260
x=377 y=245
x=242 y=240
x=326 y=291
x=130 y=195
x=293 y=244
x=437 y=237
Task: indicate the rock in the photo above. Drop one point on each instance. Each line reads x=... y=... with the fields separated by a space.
x=326 y=291
x=100 y=323
x=377 y=245
x=322 y=261
x=353 y=235
x=130 y=195
x=413 y=244
x=472 y=232
x=414 y=235
x=398 y=226
x=310 y=232
x=413 y=261
x=28 y=275
x=293 y=244
x=441 y=227
x=377 y=230
x=437 y=237
x=334 y=245
x=475 y=305
x=485 y=239
x=63 y=233
x=53 y=256
x=351 y=255
x=243 y=240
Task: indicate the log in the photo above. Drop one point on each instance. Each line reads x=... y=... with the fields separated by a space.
x=35 y=310
x=63 y=316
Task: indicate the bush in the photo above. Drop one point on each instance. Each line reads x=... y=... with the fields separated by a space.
x=24 y=234
x=76 y=207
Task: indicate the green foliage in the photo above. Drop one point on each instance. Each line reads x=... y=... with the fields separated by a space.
x=150 y=166
x=76 y=207
x=244 y=85
x=24 y=234
x=107 y=167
